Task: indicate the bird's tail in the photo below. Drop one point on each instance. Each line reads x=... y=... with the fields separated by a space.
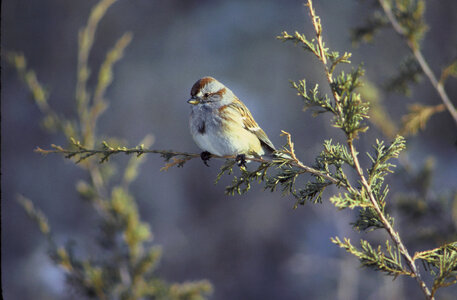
x=276 y=154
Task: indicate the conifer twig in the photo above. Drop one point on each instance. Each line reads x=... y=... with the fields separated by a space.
x=82 y=153
x=420 y=59
x=322 y=57
x=392 y=233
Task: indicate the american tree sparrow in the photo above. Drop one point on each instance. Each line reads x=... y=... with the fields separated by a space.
x=222 y=125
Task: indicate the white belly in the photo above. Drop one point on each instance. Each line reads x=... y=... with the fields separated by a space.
x=211 y=143
x=239 y=142
x=211 y=135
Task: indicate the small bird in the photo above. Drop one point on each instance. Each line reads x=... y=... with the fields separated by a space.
x=221 y=124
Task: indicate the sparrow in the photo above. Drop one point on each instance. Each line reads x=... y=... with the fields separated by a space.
x=221 y=124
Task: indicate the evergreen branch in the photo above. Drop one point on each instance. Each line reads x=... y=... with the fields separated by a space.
x=431 y=255
x=318 y=30
x=380 y=165
x=125 y=268
x=81 y=153
x=36 y=215
x=316 y=21
x=351 y=199
x=366 y=186
x=105 y=75
x=85 y=42
x=191 y=290
x=444 y=260
x=450 y=70
x=299 y=38
x=418 y=117
x=105 y=78
x=88 y=113
x=337 y=59
x=387 y=225
x=412 y=44
x=242 y=184
x=51 y=121
x=349 y=110
x=389 y=262
x=38 y=92
x=286 y=161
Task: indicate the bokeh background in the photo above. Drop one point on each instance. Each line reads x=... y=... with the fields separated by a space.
x=253 y=246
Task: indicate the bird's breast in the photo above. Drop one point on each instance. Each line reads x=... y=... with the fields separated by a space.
x=204 y=120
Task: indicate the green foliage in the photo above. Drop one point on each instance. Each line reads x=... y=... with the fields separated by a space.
x=350 y=199
x=81 y=153
x=353 y=109
x=300 y=39
x=358 y=198
x=380 y=161
x=387 y=261
x=52 y=121
x=312 y=192
x=349 y=112
x=407 y=18
x=334 y=154
x=35 y=214
x=450 y=70
x=336 y=59
x=418 y=117
x=242 y=184
x=368 y=219
x=410 y=16
x=124 y=265
x=312 y=98
x=347 y=107
x=314 y=47
x=442 y=263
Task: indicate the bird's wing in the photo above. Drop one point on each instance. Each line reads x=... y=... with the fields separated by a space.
x=250 y=124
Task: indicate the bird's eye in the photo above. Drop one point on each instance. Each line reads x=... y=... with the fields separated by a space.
x=206 y=95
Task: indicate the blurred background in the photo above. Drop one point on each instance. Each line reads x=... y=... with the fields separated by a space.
x=253 y=246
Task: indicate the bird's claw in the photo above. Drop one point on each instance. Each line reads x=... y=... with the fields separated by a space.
x=241 y=160
x=205 y=156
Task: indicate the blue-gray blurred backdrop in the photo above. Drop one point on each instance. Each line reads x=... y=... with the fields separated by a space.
x=253 y=246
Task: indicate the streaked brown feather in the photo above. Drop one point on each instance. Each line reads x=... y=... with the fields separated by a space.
x=248 y=122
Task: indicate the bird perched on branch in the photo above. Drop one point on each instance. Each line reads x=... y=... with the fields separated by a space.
x=221 y=124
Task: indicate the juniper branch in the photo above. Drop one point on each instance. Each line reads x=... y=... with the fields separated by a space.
x=126 y=268
x=438 y=85
x=387 y=225
x=322 y=57
x=172 y=158
x=375 y=205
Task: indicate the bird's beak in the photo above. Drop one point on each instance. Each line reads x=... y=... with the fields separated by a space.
x=193 y=101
